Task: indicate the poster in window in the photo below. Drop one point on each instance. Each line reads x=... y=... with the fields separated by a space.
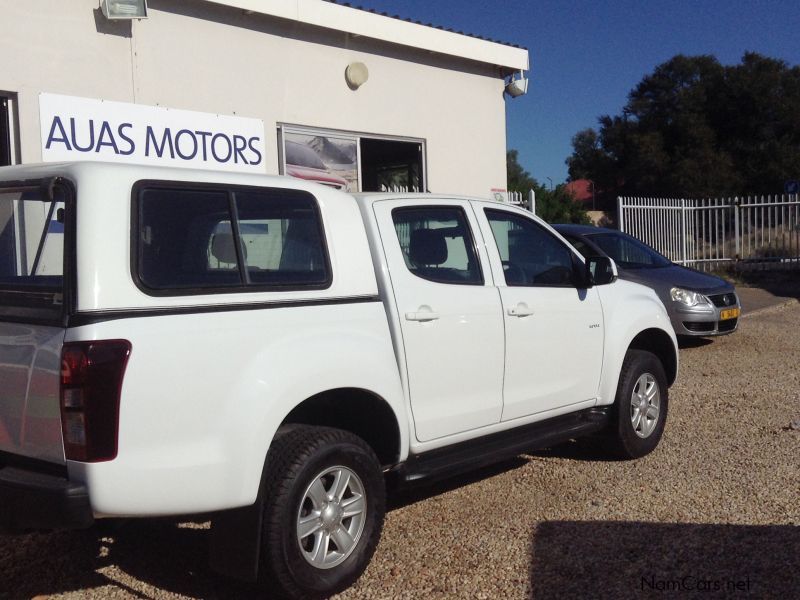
x=331 y=161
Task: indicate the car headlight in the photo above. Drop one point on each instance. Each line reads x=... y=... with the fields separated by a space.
x=688 y=297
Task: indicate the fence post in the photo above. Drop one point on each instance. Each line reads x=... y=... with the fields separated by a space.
x=620 y=217
x=735 y=207
x=683 y=230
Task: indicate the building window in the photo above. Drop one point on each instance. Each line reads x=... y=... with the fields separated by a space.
x=5 y=131
x=353 y=162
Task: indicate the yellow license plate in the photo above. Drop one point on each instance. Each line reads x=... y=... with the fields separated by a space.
x=729 y=313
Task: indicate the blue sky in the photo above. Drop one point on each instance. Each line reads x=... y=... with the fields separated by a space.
x=586 y=56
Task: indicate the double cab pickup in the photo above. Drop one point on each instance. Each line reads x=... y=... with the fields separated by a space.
x=280 y=354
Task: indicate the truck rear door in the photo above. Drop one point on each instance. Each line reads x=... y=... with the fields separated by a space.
x=450 y=314
x=32 y=318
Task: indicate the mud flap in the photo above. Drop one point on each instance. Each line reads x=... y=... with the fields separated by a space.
x=236 y=541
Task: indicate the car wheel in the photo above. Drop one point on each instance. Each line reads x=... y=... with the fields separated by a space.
x=323 y=511
x=640 y=406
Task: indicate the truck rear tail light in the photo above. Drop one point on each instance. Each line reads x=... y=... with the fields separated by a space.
x=91 y=382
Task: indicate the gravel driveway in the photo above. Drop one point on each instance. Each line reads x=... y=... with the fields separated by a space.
x=715 y=508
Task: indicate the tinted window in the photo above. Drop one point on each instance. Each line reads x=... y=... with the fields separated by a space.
x=531 y=256
x=437 y=244
x=628 y=252
x=580 y=246
x=281 y=239
x=202 y=239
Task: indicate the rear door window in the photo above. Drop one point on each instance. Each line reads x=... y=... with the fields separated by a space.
x=437 y=244
x=238 y=239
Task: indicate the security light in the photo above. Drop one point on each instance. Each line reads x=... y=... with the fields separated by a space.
x=517 y=87
x=124 y=9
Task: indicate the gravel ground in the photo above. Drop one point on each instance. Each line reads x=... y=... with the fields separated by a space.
x=715 y=509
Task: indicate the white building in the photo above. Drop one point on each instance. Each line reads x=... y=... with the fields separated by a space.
x=305 y=87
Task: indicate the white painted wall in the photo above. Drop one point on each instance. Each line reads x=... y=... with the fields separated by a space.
x=207 y=57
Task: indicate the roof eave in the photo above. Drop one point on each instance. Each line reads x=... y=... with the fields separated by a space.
x=396 y=31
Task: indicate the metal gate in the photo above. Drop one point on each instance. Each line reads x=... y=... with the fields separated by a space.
x=704 y=233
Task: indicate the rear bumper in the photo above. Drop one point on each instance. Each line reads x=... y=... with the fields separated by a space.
x=31 y=500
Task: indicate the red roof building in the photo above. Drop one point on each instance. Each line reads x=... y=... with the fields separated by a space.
x=583 y=191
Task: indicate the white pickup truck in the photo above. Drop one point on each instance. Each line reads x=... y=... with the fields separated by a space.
x=279 y=354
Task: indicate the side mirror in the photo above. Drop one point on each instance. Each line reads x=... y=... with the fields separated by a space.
x=601 y=270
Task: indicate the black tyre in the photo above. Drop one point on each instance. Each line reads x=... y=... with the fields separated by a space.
x=324 y=505
x=640 y=406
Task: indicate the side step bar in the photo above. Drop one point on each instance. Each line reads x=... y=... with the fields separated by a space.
x=473 y=454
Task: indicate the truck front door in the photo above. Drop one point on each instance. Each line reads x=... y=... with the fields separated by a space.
x=450 y=315
x=554 y=329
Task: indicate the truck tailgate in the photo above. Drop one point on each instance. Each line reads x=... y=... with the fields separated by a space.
x=30 y=366
x=32 y=309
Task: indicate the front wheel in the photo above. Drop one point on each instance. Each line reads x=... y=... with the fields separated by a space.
x=323 y=511
x=640 y=406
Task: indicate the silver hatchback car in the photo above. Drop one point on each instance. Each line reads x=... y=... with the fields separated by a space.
x=698 y=304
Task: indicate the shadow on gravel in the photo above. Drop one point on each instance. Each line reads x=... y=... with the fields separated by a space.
x=164 y=555
x=586 y=449
x=629 y=559
x=780 y=283
x=693 y=342
x=160 y=553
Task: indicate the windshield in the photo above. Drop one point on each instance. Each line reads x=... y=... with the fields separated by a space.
x=628 y=252
x=31 y=254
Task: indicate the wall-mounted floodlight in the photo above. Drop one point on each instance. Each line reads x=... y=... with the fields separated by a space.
x=517 y=87
x=124 y=9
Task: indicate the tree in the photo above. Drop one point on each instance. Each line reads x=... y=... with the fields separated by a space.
x=697 y=128
x=554 y=206
x=519 y=180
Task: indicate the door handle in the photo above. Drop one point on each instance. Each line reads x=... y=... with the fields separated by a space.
x=520 y=310
x=422 y=316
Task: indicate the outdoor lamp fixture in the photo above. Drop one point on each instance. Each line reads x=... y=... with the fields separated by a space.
x=124 y=9
x=356 y=75
x=517 y=87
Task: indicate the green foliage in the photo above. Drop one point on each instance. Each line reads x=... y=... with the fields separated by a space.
x=554 y=206
x=697 y=128
x=559 y=206
x=519 y=180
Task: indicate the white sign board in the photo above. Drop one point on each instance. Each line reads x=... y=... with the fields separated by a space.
x=86 y=129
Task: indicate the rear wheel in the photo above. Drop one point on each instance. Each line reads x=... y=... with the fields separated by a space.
x=323 y=511
x=640 y=407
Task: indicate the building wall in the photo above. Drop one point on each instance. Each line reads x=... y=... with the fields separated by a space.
x=205 y=57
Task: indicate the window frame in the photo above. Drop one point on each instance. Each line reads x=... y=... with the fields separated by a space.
x=7 y=130
x=245 y=286
x=471 y=245
x=288 y=128
x=569 y=250
x=36 y=316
